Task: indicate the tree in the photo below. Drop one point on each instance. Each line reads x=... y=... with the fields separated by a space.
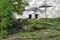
x=6 y=9
x=19 y=5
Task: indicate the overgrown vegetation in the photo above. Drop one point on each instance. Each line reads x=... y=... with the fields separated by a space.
x=44 y=29
x=30 y=27
x=33 y=24
x=7 y=7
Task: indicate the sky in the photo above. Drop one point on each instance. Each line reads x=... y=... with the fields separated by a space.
x=51 y=12
x=36 y=3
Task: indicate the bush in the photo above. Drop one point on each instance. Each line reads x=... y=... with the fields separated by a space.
x=33 y=24
x=32 y=21
x=57 y=27
x=0 y=38
x=3 y=33
x=36 y=25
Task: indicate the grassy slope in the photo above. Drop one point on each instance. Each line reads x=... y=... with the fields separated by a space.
x=49 y=29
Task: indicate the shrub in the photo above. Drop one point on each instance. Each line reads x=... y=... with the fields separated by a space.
x=0 y=38
x=57 y=27
x=3 y=33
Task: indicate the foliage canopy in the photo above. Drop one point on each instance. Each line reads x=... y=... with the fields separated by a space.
x=6 y=9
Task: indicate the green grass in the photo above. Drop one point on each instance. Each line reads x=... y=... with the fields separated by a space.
x=52 y=28
x=43 y=34
x=38 y=33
